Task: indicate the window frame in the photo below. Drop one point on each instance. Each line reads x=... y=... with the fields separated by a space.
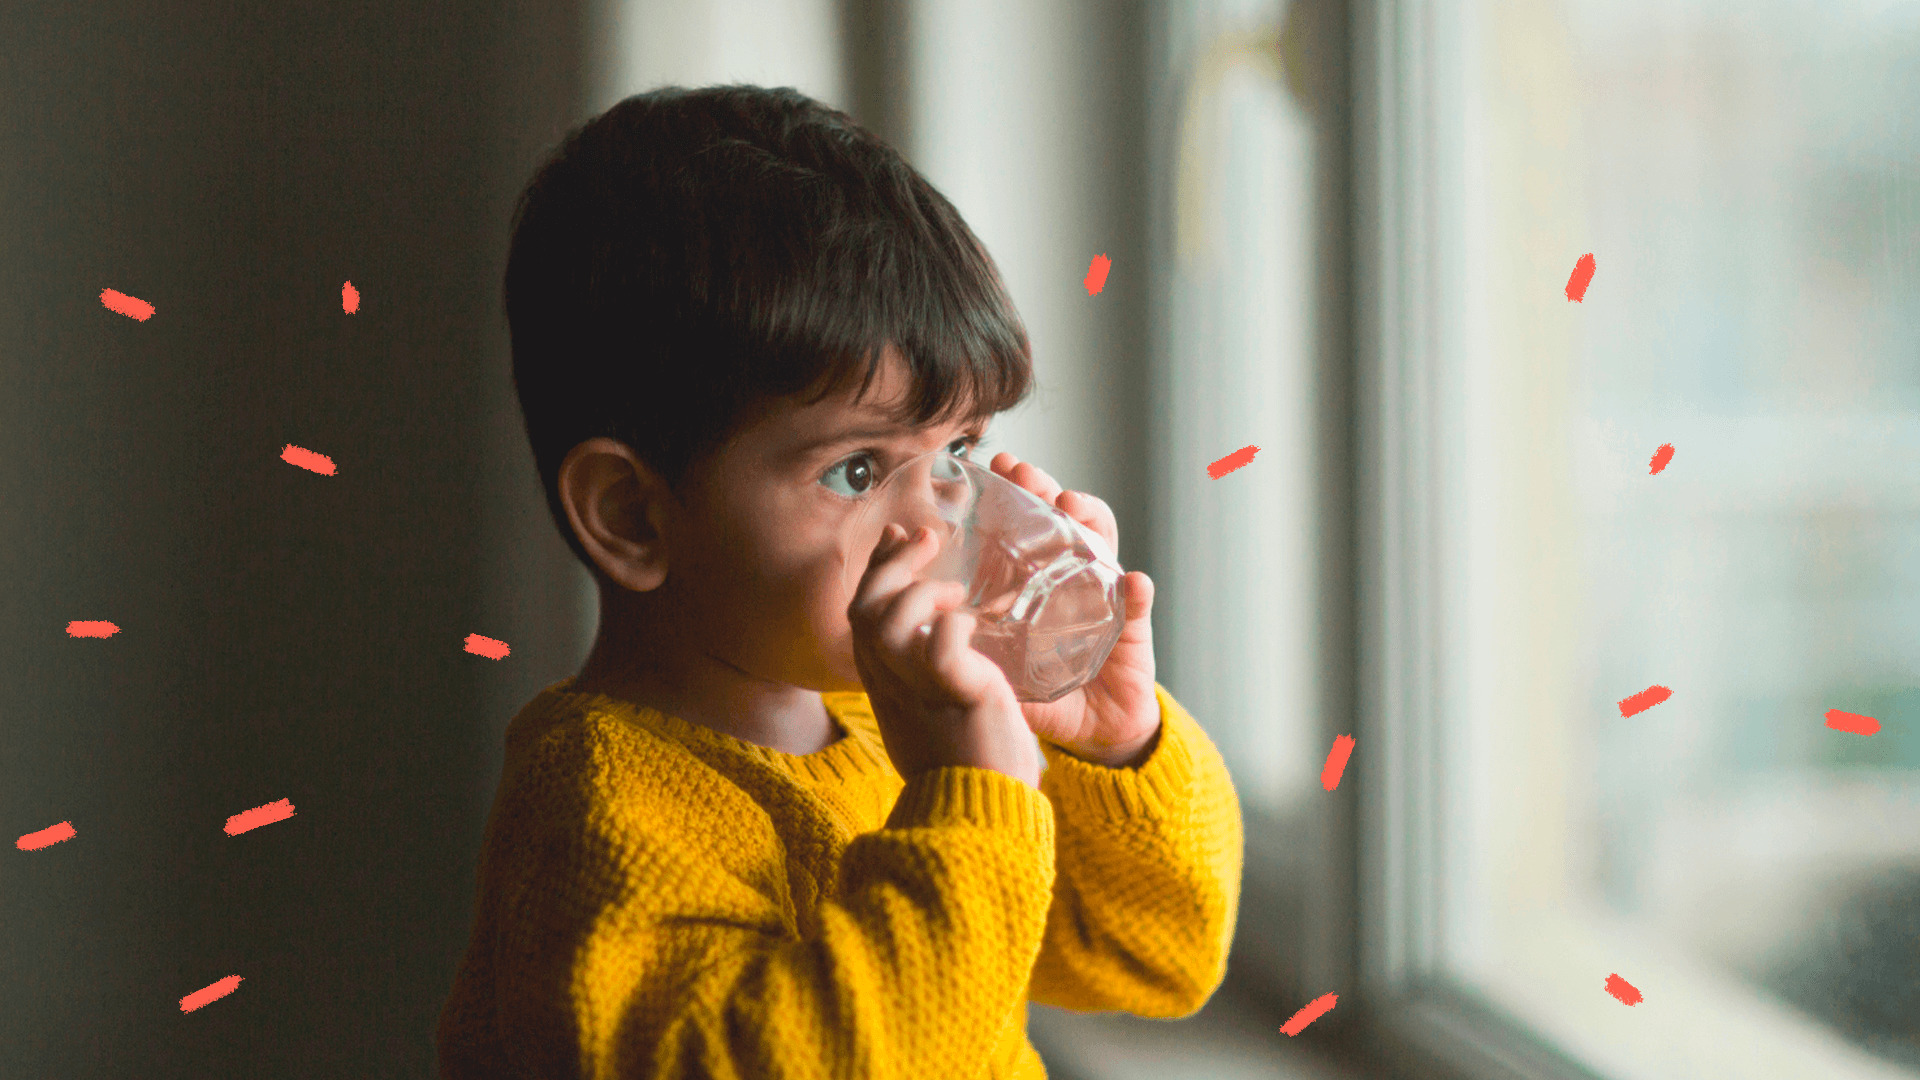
x=1411 y=1015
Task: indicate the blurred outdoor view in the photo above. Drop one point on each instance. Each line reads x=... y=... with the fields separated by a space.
x=1747 y=176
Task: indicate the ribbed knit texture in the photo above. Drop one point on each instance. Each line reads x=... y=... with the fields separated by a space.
x=659 y=900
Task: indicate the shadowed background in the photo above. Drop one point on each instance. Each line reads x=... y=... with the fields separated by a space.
x=283 y=635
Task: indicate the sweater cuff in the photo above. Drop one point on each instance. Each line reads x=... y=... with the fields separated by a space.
x=961 y=795
x=1155 y=788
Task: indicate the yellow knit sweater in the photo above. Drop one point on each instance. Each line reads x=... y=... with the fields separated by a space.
x=658 y=900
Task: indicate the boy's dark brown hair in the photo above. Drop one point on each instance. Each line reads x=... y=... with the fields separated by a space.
x=689 y=255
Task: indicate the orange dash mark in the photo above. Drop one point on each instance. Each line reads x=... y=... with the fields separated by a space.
x=307 y=459
x=131 y=306
x=46 y=837
x=1661 y=457
x=1097 y=274
x=212 y=992
x=1582 y=276
x=82 y=628
x=1232 y=461
x=1336 y=762
x=1644 y=700
x=491 y=648
x=258 y=816
x=1624 y=990
x=349 y=298
x=1853 y=723
x=1315 y=1009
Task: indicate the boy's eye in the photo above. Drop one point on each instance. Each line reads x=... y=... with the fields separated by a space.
x=861 y=472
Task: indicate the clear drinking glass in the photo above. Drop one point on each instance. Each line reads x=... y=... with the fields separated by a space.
x=1044 y=589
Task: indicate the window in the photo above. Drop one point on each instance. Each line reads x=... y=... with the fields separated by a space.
x=1251 y=348
x=1747 y=177
x=1242 y=340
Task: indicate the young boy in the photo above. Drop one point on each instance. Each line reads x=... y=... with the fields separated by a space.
x=769 y=830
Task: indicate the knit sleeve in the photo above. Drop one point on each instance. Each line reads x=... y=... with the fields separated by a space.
x=627 y=955
x=1148 y=889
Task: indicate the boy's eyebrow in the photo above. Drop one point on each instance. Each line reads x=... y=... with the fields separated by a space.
x=854 y=436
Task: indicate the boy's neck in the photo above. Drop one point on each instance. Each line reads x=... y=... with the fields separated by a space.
x=702 y=689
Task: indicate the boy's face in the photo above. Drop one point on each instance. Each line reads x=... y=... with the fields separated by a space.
x=754 y=585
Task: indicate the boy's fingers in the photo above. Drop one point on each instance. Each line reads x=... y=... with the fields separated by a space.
x=885 y=546
x=1094 y=513
x=1088 y=510
x=1141 y=605
x=950 y=649
x=914 y=605
x=1136 y=592
x=1026 y=474
x=1034 y=479
x=889 y=568
x=946 y=643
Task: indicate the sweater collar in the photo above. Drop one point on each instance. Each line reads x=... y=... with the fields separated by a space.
x=858 y=753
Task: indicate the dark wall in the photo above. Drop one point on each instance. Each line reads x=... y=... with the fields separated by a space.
x=283 y=635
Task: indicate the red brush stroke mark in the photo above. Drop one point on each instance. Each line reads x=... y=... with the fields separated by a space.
x=1644 y=700
x=349 y=298
x=491 y=648
x=1232 y=461
x=82 y=628
x=1336 y=762
x=1852 y=722
x=131 y=306
x=307 y=459
x=1582 y=275
x=213 y=992
x=1661 y=457
x=1315 y=1009
x=1624 y=990
x=46 y=837
x=258 y=816
x=1097 y=274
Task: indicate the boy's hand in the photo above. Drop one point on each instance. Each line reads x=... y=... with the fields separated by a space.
x=1115 y=719
x=938 y=701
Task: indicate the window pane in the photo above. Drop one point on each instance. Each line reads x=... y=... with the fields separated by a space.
x=1239 y=604
x=1747 y=177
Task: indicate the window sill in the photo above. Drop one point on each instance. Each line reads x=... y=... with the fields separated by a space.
x=1228 y=1039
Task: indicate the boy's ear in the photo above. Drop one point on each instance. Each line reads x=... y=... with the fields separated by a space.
x=618 y=507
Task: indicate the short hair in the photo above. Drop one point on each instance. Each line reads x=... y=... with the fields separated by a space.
x=692 y=254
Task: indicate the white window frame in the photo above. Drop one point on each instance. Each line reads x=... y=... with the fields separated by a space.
x=1409 y=334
